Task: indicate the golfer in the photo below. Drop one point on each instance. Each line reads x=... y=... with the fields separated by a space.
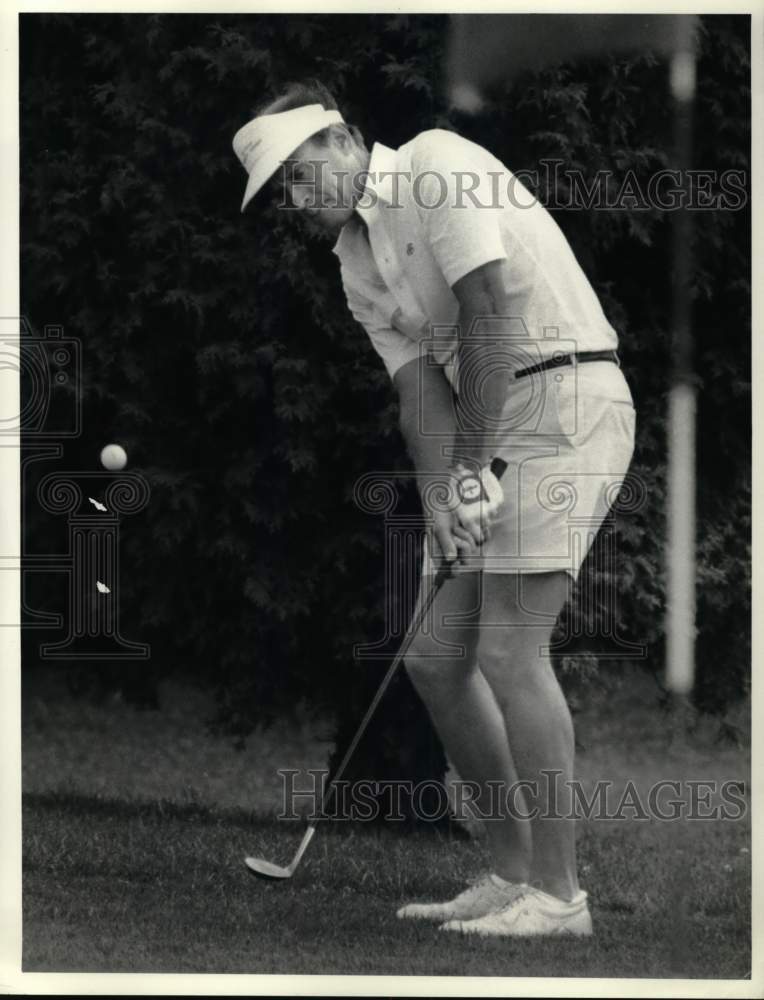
x=497 y=346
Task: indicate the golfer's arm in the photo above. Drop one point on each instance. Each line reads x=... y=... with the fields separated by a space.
x=482 y=365
x=427 y=419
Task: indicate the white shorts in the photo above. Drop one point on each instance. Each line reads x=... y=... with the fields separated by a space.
x=567 y=435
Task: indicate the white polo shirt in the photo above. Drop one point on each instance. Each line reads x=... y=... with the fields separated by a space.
x=436 y=209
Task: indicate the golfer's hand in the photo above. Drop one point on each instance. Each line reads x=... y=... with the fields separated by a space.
x=481 y=499
x=453 y=541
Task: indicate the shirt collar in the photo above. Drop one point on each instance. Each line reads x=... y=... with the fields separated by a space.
x=380 y=182
x=379 y=185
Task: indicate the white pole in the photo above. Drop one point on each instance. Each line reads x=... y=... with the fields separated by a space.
x=680 y=649
x=680 y=549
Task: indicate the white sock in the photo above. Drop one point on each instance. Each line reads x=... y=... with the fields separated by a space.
x=501 y=883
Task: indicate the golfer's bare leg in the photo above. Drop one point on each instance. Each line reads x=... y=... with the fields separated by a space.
x=468 y=719
x=518 y=614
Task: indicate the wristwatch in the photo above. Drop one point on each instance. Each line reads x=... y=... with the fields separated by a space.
x=469 y=487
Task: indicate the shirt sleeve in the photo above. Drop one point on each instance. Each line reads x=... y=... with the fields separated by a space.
x=394 y=347
x=458 y=202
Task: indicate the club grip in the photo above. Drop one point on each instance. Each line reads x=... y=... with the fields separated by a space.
x=498 y=468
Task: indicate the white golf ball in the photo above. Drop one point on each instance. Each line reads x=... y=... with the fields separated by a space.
x=113 y=457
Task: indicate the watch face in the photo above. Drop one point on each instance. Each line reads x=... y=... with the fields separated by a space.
x=469 y=489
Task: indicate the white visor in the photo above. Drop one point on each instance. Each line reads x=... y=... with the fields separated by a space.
x=266 y=142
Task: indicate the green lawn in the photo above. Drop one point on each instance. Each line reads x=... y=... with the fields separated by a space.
x=133 y=860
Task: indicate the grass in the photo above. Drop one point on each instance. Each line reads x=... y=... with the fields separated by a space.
x=136 y=824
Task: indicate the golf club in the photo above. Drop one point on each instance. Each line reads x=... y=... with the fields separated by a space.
x=268 y=870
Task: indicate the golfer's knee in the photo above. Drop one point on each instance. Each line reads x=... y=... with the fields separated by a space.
x=521 y=658
x=428 y=666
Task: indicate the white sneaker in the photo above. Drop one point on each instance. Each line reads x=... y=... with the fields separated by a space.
x=483 y=896
x=532 y=912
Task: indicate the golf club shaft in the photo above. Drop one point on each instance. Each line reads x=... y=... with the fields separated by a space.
x=440 y=577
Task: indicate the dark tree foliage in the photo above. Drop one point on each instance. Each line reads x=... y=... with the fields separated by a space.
x=219 y=351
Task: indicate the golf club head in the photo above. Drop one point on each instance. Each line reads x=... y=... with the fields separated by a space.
x=267 y=870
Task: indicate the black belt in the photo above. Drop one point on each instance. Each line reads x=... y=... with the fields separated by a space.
x=559 y=360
